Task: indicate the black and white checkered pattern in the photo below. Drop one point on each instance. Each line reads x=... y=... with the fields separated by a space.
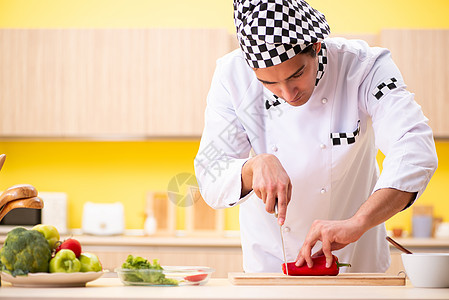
x=270 y=102
x=384 y=87
x=345 y=138
x=322 y=62
x=273 y=31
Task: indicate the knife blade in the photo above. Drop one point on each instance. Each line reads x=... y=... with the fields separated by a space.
x=282 y=238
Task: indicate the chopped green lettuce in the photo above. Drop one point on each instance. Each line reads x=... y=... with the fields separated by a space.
x=140 y=263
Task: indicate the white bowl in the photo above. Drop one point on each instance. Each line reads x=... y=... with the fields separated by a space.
x=430 y=270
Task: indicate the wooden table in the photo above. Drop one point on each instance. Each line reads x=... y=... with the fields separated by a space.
x=219 y=289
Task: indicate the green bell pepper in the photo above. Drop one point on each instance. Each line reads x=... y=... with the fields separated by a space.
x=90 y=262
x=65 y=261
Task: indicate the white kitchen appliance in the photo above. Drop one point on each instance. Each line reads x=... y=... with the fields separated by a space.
x=55 y=210
x=103 y=218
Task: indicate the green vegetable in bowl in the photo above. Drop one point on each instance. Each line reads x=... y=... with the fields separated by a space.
x=25 y=251
x=140 y=263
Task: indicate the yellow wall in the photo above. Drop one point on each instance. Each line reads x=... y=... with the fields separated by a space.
x=125 y=171
x=344 y=16
x=98 y=171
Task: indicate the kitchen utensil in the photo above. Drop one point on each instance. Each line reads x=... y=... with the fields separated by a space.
x=34 y=202
x=15 y=192
x=427 y=270
x=366 y=279
x=2 y=160
x=282 y=238
x=397 y=245
x=184 y=275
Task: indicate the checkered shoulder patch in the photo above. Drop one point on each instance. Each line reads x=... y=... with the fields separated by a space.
x=345 y=138
x=388 y=85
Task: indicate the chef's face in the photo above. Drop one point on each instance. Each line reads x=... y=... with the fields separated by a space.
x=292 y=80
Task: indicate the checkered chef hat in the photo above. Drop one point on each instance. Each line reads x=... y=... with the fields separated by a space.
x=273 y=31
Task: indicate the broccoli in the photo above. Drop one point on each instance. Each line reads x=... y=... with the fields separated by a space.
x=139 y=263
x=25 y=251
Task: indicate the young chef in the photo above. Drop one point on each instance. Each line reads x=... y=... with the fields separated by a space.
x=296 y=118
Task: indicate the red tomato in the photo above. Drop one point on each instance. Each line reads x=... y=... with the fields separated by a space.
x=70 y=244
x=196 y=278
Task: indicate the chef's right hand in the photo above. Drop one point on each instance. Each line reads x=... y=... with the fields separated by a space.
x=265 y=175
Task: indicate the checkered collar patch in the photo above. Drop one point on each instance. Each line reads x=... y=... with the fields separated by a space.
x=275 y=101
x=322 y=62
x=273 y=31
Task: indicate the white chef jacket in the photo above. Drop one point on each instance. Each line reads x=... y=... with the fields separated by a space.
x=327 y=146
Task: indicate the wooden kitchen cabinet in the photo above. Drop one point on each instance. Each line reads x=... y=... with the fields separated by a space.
x=125 y=83
x=421 y=56
x=106 y=82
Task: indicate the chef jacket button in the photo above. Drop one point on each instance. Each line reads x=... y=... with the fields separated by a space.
x=286 y=229
x=323 y=146
x=323 y=190
x=274 y=148
x=324 y=100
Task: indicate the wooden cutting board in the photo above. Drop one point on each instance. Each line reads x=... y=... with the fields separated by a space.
x=374 y=279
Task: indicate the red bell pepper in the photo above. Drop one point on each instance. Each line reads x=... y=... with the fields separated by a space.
x=318 y=268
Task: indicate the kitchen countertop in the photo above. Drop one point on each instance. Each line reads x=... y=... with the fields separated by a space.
x=423 y=242
x=220 y=289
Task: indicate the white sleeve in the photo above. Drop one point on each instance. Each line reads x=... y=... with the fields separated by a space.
x=401 y=130
x=223 y=150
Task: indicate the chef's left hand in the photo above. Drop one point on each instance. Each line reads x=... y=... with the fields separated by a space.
x=333 y=235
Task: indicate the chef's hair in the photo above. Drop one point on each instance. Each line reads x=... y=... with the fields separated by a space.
x=309 y=50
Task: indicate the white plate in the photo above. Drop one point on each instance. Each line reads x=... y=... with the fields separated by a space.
x=52 y=279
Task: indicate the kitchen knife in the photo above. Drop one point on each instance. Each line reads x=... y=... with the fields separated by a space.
x=282 y=238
